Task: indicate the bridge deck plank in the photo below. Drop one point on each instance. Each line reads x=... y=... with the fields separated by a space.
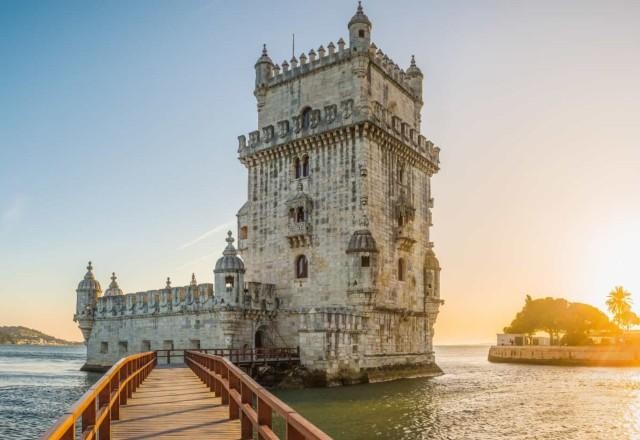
x=172 y=403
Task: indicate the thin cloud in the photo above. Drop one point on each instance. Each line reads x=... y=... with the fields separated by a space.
x=13 y=213
x=207 y=234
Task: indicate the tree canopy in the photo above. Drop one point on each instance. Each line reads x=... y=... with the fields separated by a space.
x=619 y=305
x=557 y=316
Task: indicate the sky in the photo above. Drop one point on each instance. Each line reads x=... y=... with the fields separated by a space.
x=118 y=127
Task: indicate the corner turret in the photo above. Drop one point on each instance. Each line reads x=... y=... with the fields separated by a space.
x=87 y=295
x=229 y=275
x=414 y=77
x=114 y=289
x=264 y=72
x=359 y=31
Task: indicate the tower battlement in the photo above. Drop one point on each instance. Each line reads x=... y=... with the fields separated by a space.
x=334 y=252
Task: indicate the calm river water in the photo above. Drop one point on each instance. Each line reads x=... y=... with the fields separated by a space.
x=473 y=400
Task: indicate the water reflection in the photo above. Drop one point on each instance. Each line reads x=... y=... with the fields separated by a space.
x=479 y=400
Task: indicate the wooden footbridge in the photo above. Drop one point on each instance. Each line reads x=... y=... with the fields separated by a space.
x=206 y=397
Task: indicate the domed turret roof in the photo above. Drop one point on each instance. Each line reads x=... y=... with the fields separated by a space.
x=414 y=70
x=230 y=261
x=264 y=57
x=114 y=289
x=89 y=282
x=430 y=260
x=359 y=17
x=362 y=241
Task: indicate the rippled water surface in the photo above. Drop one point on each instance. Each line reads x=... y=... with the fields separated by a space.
x=473 y=400
x=479 y=400
x=37 y=385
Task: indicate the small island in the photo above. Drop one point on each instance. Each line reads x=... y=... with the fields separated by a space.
x=18 y=335
x=554 y=331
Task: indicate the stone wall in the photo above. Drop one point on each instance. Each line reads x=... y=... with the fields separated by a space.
x=614 y=355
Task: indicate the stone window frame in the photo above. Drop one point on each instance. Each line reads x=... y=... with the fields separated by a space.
x=243 y=233
x=301 y=267
x=365 y=261
x=104 y=347
x=123 y=347
x=402 y=269
x=229 y=282
x=301 y=166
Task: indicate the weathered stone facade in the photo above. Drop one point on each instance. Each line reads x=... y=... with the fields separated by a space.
x=334 y=237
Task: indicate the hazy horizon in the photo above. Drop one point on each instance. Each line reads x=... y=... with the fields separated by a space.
x=119 y=121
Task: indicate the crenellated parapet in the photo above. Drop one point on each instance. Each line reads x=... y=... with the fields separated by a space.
x=314 y=62
x=155 y=302
x=330 y=118
x=184 y=299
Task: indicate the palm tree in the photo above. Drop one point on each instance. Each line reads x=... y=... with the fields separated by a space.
x=619 y=304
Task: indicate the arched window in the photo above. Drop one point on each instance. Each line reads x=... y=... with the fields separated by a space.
x=361 y=33
x=364 y=261
x=300 y=214
x=298 y=168
x=306 y=118
x=305 y=166
x=302 y=267
x=244 y=232
x=228 y=282
x=401 y=269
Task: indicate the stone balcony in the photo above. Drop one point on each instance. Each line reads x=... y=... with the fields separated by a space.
x=405 y=236
x=299 y=234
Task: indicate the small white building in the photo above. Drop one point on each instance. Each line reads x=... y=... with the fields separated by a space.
x=522 y=339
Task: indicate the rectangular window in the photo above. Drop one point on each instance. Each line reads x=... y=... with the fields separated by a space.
x=146 y=345
x=123 y=347
x=195 y=344
x=364 y=261
x=104 y=347
x=167 y=345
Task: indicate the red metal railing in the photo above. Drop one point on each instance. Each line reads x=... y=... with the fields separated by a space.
x=248 y=401
x=101 y=403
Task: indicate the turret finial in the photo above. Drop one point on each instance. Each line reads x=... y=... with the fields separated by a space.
x=413 y=60
x=89 y=267
x=113 y=277
x=193 y=280
x=360 y=7
x=168 y=283
x=264 y=49
x=229 y=238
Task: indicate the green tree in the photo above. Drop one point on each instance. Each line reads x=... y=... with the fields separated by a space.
x=619 y=305
x=557 y=316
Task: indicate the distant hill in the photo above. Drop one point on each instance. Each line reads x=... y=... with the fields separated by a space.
x=27 y=336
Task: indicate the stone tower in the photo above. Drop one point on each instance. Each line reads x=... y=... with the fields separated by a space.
x=339 y=207
x=87 y=295
x=229 y=275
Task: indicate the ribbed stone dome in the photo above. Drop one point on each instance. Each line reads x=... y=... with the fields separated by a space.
x=359 y=17
x=89 y=282
x=362 y=241
x=430 y=261
x=230 y=261
x=264 y=57
x=413 y=69
x=114 y=289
